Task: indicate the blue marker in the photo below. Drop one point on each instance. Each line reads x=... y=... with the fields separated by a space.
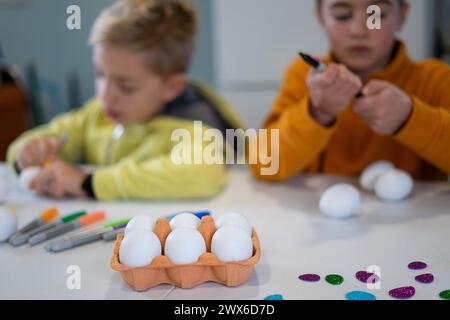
x=198 y=214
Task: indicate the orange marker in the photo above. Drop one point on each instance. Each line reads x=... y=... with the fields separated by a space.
x=62 y=141
x=67 y=227
x=44 y=218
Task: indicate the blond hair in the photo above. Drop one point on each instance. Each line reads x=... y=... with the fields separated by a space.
x=165 y=29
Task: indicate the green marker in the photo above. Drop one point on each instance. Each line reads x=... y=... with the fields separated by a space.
x=97 y=228
x=23 y=238
x=85 y=238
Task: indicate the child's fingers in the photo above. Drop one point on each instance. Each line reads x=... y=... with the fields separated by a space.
x=375 y=86
x=41 y=181
x=55 y=145
x=364 y=107
x=343 y=73
x=32 y=154
x=327 y=78
x=24 y=159
x=332 y=73
x=55 y=190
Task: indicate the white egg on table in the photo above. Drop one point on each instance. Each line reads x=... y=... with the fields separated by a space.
x=231 y=244
x=234 y=219
x=3 y=189
x=370 y=175
x=26 y=176
x=140 y=222
x=8 y=224
x=185 y=220
x=139 y=248
x=394 y=185
x=340 y=201
x=184 y=246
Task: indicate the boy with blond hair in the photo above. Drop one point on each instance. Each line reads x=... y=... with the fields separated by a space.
x=141 y=52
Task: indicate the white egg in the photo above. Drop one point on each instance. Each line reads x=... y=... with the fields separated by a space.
x=139 y=248
x=185 y=220
x=140 y=222
x=340 y=201
x=26 y=176
x=393 y=186
x=231 y=243
x=234 y=219
x=8 y=224
x=184 y=246
x=3 y=189
x=373 y=172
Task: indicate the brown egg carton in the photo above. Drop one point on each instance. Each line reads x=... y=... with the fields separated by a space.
x=207 y=268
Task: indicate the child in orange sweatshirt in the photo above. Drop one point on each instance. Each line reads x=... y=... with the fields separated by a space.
x=403 y=116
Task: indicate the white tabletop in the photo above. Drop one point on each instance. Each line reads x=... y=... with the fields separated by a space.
x=295 y=239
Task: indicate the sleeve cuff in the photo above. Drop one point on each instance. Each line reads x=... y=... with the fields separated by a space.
x=301 y=119
x=88 y=187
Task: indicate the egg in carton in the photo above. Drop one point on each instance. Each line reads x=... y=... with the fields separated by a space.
x=207 y=268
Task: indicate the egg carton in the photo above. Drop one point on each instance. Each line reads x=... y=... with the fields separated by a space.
x=207 y=268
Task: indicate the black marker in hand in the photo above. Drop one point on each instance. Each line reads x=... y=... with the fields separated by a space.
x=320 y=67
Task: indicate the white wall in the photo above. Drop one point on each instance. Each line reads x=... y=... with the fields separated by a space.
x=255 y=40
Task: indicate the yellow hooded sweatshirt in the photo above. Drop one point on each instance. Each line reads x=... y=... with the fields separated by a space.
x=138 y=164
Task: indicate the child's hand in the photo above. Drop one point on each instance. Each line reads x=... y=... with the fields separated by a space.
x=37 y=151
x=384 y=107
x=331 y=92
x=58 y=180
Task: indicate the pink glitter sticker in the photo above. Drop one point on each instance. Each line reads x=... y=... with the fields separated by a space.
x=309 y=277
x=402 y=293
x=417 y=265
x=425 y=278
x=367 y=277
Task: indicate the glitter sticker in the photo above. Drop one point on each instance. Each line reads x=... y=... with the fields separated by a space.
x=445 y=294
x=402 y=293
x=310 y=277
x=367 y=277
x=334 y=279
x=360 y=295
x=417 y=265
x=425 y=278
x=274 y=297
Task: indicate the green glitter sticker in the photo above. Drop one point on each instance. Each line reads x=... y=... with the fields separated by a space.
x=334 y=279
x=445 y=294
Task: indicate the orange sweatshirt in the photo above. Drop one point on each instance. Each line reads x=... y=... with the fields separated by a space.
x=422 y=147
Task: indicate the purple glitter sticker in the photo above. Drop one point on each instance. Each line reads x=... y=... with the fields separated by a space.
x=417 y=265
x=425 y=278
x=309 y=277
x=402 y=293
x=367 y=277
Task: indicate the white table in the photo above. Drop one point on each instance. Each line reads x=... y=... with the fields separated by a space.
x=295 y=239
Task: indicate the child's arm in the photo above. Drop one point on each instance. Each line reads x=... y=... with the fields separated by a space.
x=423 y=127
x=133 y=178
x=303 y=134
x=140 y=176
x=70 y=125
x=427 y=131
x=158 y=178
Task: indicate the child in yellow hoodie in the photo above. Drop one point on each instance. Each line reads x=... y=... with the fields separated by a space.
x=141 y=52
x=403 y=116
